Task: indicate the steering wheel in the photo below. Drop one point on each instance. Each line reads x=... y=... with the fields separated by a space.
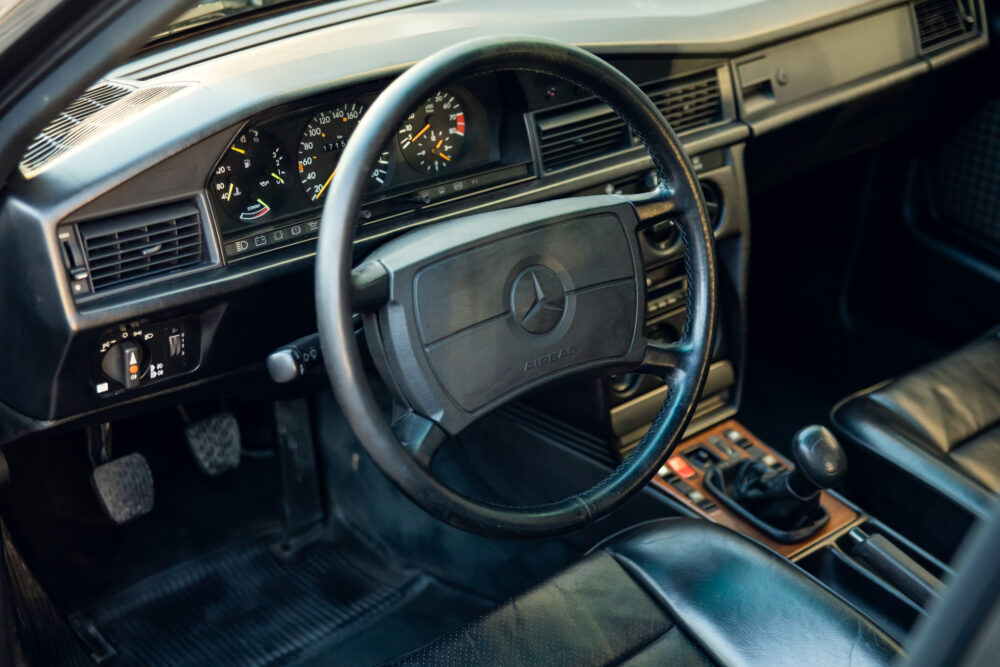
x=464 y=315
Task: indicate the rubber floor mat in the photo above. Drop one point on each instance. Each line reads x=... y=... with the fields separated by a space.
x=248 y=607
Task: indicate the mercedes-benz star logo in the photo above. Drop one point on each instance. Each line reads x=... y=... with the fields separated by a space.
x=537 y=300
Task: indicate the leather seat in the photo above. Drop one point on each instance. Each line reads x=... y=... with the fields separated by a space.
x=675 y=591
x=940 y=423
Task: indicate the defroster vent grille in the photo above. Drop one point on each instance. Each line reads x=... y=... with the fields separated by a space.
x=104 y=106
x=139 y=246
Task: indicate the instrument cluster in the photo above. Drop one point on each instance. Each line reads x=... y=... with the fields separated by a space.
x=276 y=171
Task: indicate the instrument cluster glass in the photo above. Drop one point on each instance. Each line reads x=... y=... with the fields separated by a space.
x=251 y=180
x=323 y=140
x=254 y=179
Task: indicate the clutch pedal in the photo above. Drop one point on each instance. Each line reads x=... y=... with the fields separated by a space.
x=124 y=487
x=215 y=443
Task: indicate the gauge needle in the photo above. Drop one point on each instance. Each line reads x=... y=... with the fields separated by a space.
x=261 y=202
x=438 y=144
x=277 y=178
x=445 y=157
x=229 y=195
x=421 y=132
x=323 y=189
x=238 y=150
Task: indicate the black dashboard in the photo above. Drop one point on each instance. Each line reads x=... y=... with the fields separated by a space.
x=180 y=230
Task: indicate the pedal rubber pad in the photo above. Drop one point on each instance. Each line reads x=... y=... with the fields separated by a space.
x=124 y=487
x=215 y=443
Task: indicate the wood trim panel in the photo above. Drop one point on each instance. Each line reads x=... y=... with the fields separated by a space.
x=841 y=516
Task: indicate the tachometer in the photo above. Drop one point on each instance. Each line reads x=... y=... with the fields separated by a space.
x=322 y=143
x=250 y=181
x=433 y=135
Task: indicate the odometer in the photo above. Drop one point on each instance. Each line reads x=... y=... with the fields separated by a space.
x=250 y=180
x=434 y=134
x=322 y=142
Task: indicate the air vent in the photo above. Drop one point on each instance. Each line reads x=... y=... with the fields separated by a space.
x=690 y=105
x=580 y=135
x=105 y=105
x=567 y=138
x=943 y=21
x=136 y=247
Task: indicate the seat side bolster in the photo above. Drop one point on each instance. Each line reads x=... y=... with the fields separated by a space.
x=875 y=427
x=741 y=602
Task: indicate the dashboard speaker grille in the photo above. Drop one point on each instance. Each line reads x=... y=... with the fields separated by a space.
x=943 y=21
x=568 y=137
x=99 y=108
x=138 y=246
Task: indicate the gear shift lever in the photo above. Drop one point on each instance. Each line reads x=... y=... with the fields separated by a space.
x=820 y=462
x=785 y=504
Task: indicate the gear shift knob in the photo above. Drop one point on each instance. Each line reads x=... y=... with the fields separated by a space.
x=820 y=460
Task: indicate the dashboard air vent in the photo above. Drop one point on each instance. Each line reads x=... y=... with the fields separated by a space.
x=105 y=105
x=580 y=135
x=139 y=246
x=691 y=104
x=568 y=137
x=943 y=21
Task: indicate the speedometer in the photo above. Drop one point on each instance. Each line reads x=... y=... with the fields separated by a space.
x=433 y=135
x=323 y=140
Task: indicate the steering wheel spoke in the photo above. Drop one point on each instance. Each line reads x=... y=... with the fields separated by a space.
x=665 y=360
x=420 y=436
x=656 y=207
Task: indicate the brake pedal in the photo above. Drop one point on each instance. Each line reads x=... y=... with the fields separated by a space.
x=215 y=443
x=124 y=487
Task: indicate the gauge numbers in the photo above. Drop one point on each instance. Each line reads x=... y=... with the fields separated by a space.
x=323 y=141
x=251 y=180
x=434 y=134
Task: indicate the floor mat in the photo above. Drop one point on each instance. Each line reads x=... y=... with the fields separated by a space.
x=248 y=606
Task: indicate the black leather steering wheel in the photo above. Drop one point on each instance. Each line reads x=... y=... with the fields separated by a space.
x=464 y=315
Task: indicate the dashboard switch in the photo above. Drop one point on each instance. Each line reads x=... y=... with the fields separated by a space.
x=123 y=364
x=681 y=467
x=133 y=354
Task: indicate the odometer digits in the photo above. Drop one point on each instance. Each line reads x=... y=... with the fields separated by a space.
x=323 y=141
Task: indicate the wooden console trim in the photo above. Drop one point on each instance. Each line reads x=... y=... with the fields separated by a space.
x=841 y=516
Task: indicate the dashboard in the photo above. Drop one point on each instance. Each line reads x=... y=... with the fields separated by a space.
x=182 y=222
x=268 y=187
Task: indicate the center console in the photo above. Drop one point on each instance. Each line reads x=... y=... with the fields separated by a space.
x=684 y=477
x=873 y=567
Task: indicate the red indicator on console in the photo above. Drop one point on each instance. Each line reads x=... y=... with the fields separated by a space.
x=460 y=124
x=681 y=467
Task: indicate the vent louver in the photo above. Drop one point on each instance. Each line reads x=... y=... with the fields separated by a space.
x=580 y=135
x=943 y=21
x=691 y=105
x=138 y=246
x=105 y=105
x=566 y=138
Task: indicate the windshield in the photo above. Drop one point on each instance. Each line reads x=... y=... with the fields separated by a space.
x=214 y=11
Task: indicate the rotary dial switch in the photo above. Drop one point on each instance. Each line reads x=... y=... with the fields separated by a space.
x=123 y=363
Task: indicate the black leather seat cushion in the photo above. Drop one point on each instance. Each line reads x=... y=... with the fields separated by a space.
x=678 y=592
x=940 y=423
